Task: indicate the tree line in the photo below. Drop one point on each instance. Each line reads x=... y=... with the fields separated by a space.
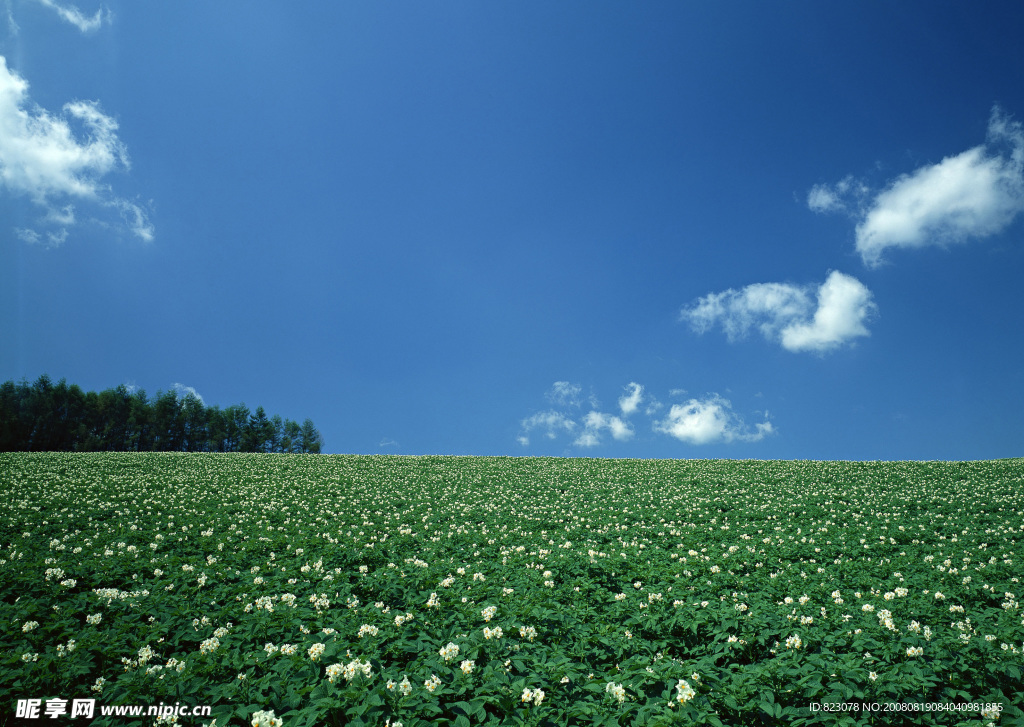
x=49 y=417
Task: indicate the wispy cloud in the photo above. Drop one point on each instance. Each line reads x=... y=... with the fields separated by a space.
x=971 y=195
x=696 y=422
x=709 y=420
x=562 y=393
x=595 y=422
x=386 y=442
x=71 y=14
x=797 y=317
x=53 y=158
x=551 y=423
x=186 y=391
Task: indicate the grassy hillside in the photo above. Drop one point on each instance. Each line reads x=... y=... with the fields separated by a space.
x=458 y=590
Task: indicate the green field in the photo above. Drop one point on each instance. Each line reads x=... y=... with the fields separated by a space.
x=337 y=590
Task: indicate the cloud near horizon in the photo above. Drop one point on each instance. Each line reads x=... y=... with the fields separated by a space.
x=703 y=421
x=54 y=160
x=797 y=317
x=971 y=195
x=186 y=391
x=697 y=422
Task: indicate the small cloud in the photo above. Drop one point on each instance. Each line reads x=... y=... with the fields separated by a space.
x=823 y=199
x=707 y=421
x=71 y=14
x=562 y=393
x=187 y=391
x=595 y=422
x=551 y=423
x=630 y=401
x=791 y=315
x=837 y=197
x=49 y=239
x=385 y=442
x=698 y=421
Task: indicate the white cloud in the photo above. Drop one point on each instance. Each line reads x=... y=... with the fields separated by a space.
x=550 y=422
x=186 y=391
x=789 y=314
x=823 y=199
x=50 y=239
x=695 y=422
x=630 y=401
x=844 y=303
x=71 y=14
x=50 y=158
x=595 y=422
x=385 y=442
x=973 y=194
x=707 y=421
x=562 y=393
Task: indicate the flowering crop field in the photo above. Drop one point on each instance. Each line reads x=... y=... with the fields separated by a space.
x=361 y=590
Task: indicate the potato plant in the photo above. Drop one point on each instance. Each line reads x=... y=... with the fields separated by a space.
x=360 y=590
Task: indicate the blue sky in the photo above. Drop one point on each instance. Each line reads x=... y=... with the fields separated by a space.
x=737 y=229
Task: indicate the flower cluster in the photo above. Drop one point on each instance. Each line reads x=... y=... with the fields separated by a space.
x=617 y=691
x=684 y=692
x=528 y=632
x=209 y=645
x=432 y=684
x=488 y=613
x=495 y=633
x=533 y=695
x=266 y=719
x=450 y=651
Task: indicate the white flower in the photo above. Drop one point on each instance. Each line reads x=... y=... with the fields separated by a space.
x=533 y=695
x=616 y=690
x=356 y=667
x=495 y=633
x=450 y=651
x=432 y=683
x=266 y=719
x=488 y=613
x=367 y=630
x=94 y=618
x=794 y=642
x=405 y=687
x=467 y=666
x=684 y=692
x=209 y=645
x=528 y=632
x=29 y=626
x=315 y=651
